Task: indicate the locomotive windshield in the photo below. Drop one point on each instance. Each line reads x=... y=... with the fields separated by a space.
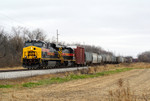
x=38 y=44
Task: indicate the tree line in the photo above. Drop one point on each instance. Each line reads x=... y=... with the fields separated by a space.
x=144 y=57
x=12 y=43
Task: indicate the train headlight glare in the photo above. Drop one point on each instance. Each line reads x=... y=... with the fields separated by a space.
x=35 y=56
x=25 y=56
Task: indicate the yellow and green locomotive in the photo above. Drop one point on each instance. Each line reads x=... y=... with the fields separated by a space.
x=38 y=54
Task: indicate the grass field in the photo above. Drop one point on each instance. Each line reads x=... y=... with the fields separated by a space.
x=91 y=72
x=65 y=79
x=94 y=75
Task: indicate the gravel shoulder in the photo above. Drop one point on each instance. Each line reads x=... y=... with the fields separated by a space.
x=84 y=90
x=31 y=73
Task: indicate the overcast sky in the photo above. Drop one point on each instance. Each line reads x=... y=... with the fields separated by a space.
x=120 y=26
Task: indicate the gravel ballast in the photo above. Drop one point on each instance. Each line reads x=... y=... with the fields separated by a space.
x=29 y=73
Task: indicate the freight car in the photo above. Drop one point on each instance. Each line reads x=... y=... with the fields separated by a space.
x=38 y=54
x=88 y=58
x=128 y=59
x=120 y=59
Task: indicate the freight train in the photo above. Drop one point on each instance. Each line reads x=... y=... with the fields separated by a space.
x=39 y=54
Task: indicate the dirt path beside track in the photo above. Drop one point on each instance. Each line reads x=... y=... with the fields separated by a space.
x=12 y=68
x=92 y=89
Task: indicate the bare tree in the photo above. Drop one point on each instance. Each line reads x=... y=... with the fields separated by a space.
x=3 y=43
x=39 y=35
x=144 y=57
x=27 y=34
x=36 y=34
x=95 y=49
x=11 y=44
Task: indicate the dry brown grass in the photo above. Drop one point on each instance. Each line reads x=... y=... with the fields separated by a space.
x=140 y=65
x=122 y=93
x=90 y=70
x=12 y=68
x=125 y=93
x=96 y=69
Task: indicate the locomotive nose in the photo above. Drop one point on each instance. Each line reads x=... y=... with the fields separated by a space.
x=31 y=53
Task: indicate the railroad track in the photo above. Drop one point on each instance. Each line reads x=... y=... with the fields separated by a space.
x=12 y=74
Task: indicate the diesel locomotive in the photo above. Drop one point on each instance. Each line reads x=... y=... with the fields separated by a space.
x=38 y=54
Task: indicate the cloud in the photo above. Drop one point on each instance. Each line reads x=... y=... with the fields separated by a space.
x=116 y=25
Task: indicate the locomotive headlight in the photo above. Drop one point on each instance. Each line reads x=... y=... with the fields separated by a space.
x=35 y=56
x=25 y=56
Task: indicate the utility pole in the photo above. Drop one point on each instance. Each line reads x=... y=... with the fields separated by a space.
x=57 y=36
